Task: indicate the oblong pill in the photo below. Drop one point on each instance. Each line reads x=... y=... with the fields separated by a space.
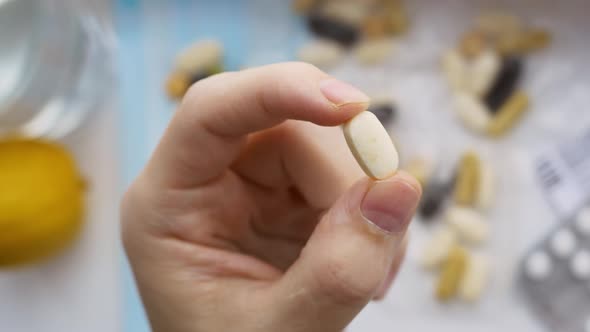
x=371 y=145
x=199 y=56
x=468 y=177
x=452 y=272
x=475 y=278
x=469 y=225
x=438 y=247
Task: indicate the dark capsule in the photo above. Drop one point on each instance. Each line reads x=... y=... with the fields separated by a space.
x=505 y=83
x=329 y=28
x=385 y=112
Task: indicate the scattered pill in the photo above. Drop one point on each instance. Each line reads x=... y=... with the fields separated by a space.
x=371 y=145
x=524 y=42
x=472 y=44
x=509 y=114
x=483 y=72
x=472 y=112
x=322 y=53
x=538 y=266
x=438 y=248
x=504 y=83
x=177 y=84
x=475 y=279
x=496 y=24
x=199 y=57
x=384 y=111
x=580 y=265
x=398 y=21
x=325 y=27
x=468 y=223
x=454 y=67
x=452 y=272
x=373 y=51
x=468 y=176
x=487 y=187
x=375 y=27
x=563 y=243
x=583 y=221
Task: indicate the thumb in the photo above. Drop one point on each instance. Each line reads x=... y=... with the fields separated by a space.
x=348 y=256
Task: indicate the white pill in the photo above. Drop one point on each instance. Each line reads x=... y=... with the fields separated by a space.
x=468 y=223
x=322 y=53
x=475 y=278
x=538 y=266
x=482 y=72
x=371 y=145
x=580 y=265
x=454 y=67
x=437 y=249
x=487 y=187
x=472 y=112
x=583 y=221
x=563 y=243
x=373 y=51
x=199 y=56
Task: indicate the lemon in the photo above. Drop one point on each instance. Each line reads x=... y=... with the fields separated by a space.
x=41 y=200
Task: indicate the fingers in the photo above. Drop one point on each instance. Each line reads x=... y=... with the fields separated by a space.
x=393 y=270
x=209 y=129
x=349 y=254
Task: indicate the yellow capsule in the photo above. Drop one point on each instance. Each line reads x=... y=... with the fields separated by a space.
x=534 y=40
x=452 y=273
x=467 y=185
x=509 y=114
x=177 y=84
x=496 y=24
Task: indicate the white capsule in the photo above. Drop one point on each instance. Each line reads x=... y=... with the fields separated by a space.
x=563 y=243
x=538 y=266
x=371 y=145
x=454 y=67
x=487 y=187
x=482 y=72
x=468 y=223
x=437 y=249
x=583 y=221
x=475 y=278
x=373 y=51
x=580 y=265
x=199 y=56
x=321 y=53
x=472 y=112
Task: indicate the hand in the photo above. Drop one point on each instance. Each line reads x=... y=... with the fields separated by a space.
x=246 y=220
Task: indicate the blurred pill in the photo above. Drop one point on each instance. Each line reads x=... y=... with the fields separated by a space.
x=496 y=23
x=468 y=223
x=325 y=27
x=468 y=175
x=177 y=84
x=509 y=114
x=438 y=247
x=199 y=56
x=349 y=12
x=452 y=272
x=371 y=145
x=583 y=221
x=322 y=53
x=475 y=279
x=373 y=51
x=396 y=17
x=483 y=72
x=472 y=44
x=487 y=187
x=454 y=67
x=524 y=42
x=472 y=112
x=505 y=83
x=580 y=265
x=563 y=243
x=303 y=6
x=538 y=266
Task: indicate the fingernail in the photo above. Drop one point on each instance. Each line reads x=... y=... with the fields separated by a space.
x=390 y=205
x=340 y=93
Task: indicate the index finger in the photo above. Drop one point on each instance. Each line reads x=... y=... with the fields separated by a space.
x=208 y=130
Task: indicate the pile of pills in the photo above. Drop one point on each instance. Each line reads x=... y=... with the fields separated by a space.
x=366 y=27
x=466 y=194
x=484 y=71
x=196 y=62
x=555 y=275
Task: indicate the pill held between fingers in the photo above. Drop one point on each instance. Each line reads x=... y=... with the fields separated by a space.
x=475 y=279
x=583 y=221
x=371 y=145
x=468 y=223
x=452 y=273
x=563 y=243
x=472 y=112
x=509 y=114
x=438 y=248
x=538 y=266
x=322 y=53
x=580 y=265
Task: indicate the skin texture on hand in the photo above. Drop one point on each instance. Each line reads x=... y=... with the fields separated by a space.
x=252 y=214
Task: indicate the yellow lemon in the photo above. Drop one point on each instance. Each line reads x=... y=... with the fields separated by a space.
x=41 y=200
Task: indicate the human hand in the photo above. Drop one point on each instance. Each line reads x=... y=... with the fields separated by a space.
x=246 y=220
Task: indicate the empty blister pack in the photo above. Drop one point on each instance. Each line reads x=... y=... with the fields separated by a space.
x=555 y=275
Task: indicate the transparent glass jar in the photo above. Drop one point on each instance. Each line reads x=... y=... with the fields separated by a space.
x=55 y=65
